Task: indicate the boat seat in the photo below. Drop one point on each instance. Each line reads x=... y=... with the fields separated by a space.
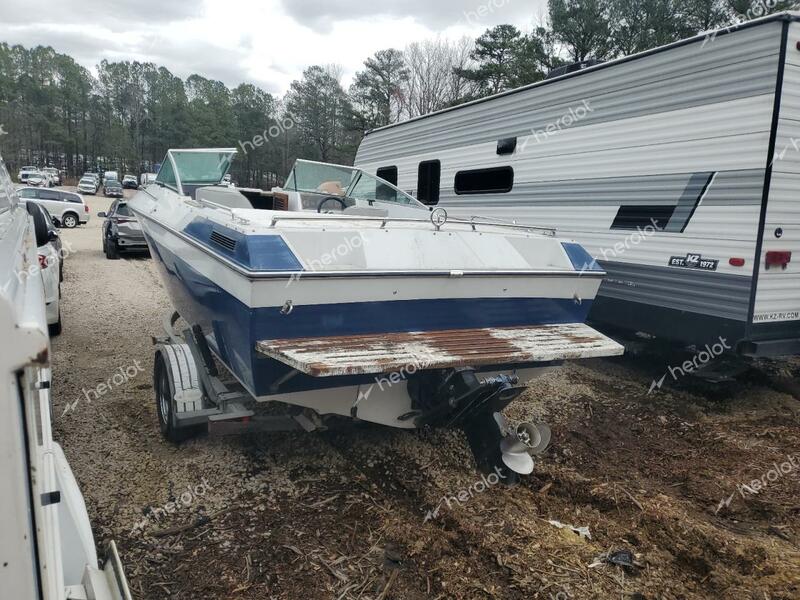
x=223 y=195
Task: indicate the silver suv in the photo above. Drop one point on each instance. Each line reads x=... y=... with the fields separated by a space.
x=66 y=208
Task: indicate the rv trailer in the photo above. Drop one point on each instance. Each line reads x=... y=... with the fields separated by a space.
x=677 y=168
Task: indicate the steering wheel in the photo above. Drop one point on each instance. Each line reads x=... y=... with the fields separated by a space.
x=326 y=198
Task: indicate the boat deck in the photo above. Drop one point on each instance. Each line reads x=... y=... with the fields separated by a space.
x=420 y=350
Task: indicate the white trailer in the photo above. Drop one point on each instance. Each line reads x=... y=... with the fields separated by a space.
x=677 y=168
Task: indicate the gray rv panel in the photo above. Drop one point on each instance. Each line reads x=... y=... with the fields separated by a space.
x=729 y=188
x=678 y=135
x=713 y=294
x=740 y=66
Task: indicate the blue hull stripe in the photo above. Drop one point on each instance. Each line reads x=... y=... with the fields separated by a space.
x=236 y=327
x=253 y=252
x=581 y=260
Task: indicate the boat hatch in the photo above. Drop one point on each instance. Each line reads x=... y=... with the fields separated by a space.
x=388 y=353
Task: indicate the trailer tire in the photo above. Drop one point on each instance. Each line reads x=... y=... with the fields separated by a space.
x=164 y=386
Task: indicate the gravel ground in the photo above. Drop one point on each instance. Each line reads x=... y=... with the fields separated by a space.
x=342 y=514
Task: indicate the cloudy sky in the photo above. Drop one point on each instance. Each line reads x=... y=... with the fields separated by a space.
x=266 y=42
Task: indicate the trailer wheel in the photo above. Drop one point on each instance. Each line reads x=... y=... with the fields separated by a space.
x=164 y=386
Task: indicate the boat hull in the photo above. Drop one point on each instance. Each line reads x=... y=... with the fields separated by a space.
x=236 y=311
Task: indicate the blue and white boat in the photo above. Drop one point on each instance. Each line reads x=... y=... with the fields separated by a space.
x=343 y=294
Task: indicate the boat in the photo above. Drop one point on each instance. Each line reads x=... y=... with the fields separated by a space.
x=47 y=549
x=342 y=294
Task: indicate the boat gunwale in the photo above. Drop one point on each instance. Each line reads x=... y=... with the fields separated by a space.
x=455 y=273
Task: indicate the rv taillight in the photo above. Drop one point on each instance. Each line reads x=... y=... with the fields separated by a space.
x=778 y=258
x=43 y=264
x=736 y=262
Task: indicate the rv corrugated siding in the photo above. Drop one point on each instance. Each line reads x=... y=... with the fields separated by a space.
x=778 y=293
x=655 y=123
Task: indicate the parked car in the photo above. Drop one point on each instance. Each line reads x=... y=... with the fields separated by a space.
x=38 y=179
x=112 y=188
x=49 y=265
x=110 y=175
x=129 y=182
x=147 y=178
x=121 y=230
x=22 y=177
x=67 y=209
x=87 y=185
x=55 y=176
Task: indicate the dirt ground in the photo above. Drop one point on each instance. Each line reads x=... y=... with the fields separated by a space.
x=342 y=514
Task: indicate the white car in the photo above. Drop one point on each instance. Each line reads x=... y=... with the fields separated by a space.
x=46 y=539
x=147 y=179
x=49 y=265
x=38 y=179
x=110 y=175
x=22 y=177
x=87 y=185
x=68 y=209
x=55 y=176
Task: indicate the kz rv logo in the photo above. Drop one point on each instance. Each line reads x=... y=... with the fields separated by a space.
x=694 y=261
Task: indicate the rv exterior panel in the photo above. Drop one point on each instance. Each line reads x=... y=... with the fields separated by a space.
x=660 y=164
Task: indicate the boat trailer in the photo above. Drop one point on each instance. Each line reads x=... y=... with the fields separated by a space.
x=192 y=396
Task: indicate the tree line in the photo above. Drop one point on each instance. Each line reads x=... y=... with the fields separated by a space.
x=55 y=112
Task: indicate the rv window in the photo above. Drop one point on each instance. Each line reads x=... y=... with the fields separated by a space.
x=428 y=179
x=388 y=173
x=506 y=146
x=485 y=181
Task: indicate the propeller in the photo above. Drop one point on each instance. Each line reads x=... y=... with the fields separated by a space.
x=520 y=442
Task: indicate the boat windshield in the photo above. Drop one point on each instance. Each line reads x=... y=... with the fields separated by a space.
x=350 y=182
x=195 y=167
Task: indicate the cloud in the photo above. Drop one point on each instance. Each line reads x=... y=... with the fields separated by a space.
x=265 y=42
x=182 y=55
x=110 y=14
x=86 y=49
x=322 y=15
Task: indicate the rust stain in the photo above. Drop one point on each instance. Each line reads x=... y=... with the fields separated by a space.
x=387 y=353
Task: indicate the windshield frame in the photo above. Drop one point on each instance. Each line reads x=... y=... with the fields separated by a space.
x=356 y=175
x=179 y=182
